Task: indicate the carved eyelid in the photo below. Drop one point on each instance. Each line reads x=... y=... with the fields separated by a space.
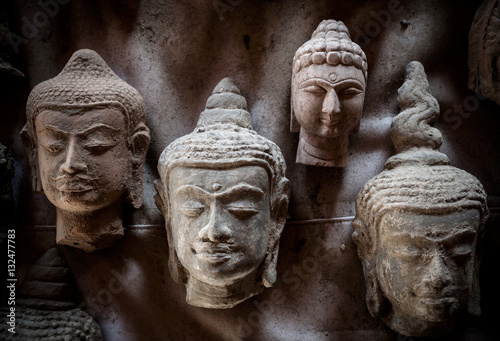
x=232 y=207
x=50 y=146
x=242 y=211
x=192 y=209
x=462 y=250
x=99 y=143
x=354 y=90
x=410 y=250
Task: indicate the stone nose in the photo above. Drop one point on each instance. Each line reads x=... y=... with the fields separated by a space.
x=217 y=228
x=73 y=159
x=331 y=104
x=438 y=275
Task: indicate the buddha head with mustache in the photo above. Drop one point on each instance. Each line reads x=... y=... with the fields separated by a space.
x=419 y=225
x=87 y=144
x=224 y=196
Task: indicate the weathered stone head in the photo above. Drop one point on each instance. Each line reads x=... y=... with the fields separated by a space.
x=87 y=143
x=484 y=51
x=46 y=308
x=328 y=90
x=418 y=225
x=224 y=196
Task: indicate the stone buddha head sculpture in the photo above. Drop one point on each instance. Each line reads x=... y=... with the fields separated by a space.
x=46 y=307
x=224 y=196
x=418 y=225
x=328 y=90
x=87 y=143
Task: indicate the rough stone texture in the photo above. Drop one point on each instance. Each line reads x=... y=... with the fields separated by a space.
x=328 y=88
x=484 y=51
x=87 y=142
x=224 y=196
x=45 y=307
x=418 y=225
x=174 y=53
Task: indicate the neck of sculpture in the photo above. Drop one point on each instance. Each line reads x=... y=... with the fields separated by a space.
x=322 y=151
x=90 y=231
x=412 y=326
x=206 y=295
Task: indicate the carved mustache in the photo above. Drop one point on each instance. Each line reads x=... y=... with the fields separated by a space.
x=331 y=121
x=78 y=183
x=214 y=248
x=430 y=293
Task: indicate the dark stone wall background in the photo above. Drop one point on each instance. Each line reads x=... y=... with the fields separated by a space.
x=174 y=53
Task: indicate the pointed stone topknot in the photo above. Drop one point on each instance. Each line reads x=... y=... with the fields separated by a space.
x=85 y=60
x=413 y=126
x=226 y=105
x=412 y=131
x=226 y=85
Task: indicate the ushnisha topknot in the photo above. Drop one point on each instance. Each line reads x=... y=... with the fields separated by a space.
x=223 y=136
x=418 y=178
x=86 y=81
x=330 y=43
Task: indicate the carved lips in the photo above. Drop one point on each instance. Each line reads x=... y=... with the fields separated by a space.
x=215 y=253
x=72 y=184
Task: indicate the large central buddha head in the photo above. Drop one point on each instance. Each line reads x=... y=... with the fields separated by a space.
x=224 y=196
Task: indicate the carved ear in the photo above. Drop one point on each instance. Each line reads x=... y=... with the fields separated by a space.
x=31 y=148
x=374 y=297
x=361 y=238
x=294 y=124
x=280 y=205
x=375 y=300
x=177 y=271
x=278 y=217
x=473 y=303
x=160 y=198
x=139 y=144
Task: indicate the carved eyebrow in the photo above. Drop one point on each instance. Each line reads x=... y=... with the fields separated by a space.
x=322 y=81
x=237 y=189
x=79 y=132
x=53 y=129
x=98 y=126
x=189 y=189
x=462 y=234
x=242 y=189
